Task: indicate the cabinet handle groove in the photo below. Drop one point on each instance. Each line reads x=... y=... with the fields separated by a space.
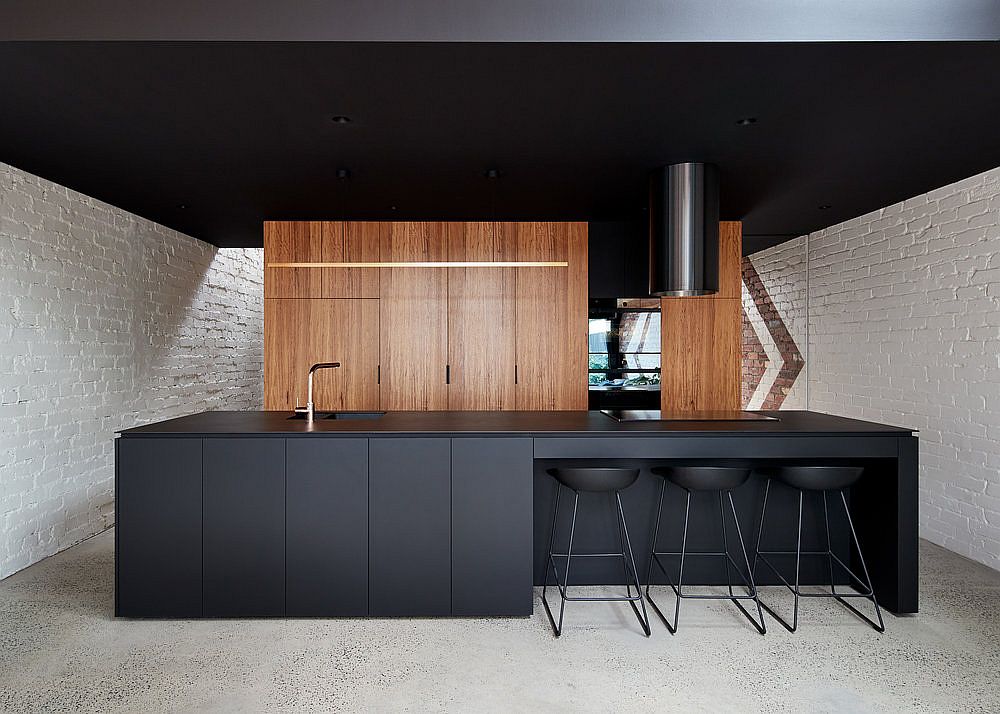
x=447 y=374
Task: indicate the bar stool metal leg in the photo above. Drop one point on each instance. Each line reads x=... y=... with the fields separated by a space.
x=865 y=590
x=796 y=591
x=880 y=627
x=678 y=589
x=654 y=558
x=563 y=584
x=652 y=542
x=752 y=589
x=643 y=618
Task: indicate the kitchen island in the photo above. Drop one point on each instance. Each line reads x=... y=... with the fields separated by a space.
x=236 y=514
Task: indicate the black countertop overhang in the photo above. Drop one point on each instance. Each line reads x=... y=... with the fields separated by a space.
x=533 y=423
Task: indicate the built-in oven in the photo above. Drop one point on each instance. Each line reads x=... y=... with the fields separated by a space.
x=624 y=353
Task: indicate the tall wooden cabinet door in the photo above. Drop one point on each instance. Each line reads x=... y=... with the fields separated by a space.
x=326 y=527
x=352 y=242
x=301 y=333
x=413 y=317
x=243 y=546
x=295 y=242
x=481 y=319
x=701 y=354
x=551 y=317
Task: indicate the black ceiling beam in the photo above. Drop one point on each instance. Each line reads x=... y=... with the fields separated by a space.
x=506 y=21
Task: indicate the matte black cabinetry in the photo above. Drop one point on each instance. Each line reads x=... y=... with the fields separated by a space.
x=491 y=555
x=244 y=527
x=158 y=529
x=326 y=529
x=410 y=526
x=618 y=259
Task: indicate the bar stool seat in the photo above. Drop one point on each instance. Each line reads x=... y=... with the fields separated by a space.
x=593 y=480
x=821 y=480
x=818 y=478
x=704 y=478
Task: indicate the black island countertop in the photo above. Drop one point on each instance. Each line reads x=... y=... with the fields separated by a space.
x=528 y=423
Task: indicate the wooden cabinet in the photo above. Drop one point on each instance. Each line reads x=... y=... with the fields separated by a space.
x=326 y=527
x=705 y=375
x=158 y=529
x=295 y=242
x=551 y=317
x=244 y=527
x=473 y=337
x=701 y=338
x=410 y=526
x=481 y=338
x=301 y=333
x=491 y=526
x=413 y=322
x=321 y=242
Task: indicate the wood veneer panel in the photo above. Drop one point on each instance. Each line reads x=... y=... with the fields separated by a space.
x=293 y=242
x=700 y=354
x=481 y=319
x=551 y=317
x=730 y=262
x=299 y=333
x=413 y=323
x=352 y=242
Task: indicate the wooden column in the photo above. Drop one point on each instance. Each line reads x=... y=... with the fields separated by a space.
x=701 y=350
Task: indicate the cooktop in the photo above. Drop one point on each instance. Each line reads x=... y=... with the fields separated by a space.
x=658 y=415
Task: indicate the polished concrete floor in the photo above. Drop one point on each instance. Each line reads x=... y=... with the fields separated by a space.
x=61 y=650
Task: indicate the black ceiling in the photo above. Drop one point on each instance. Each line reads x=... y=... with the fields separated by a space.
x=212 y=138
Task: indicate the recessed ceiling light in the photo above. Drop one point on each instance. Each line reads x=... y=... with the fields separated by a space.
x=492 y=173
x=746 y=121
x=392 y=208
x=341 y=119
x=343 y=173
x=825 y=206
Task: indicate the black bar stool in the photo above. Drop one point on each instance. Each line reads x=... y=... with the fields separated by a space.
x=721 y=479
x=598 y=480
x=822 y=479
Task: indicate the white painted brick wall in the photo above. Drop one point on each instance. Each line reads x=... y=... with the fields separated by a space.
x=782 y=270
x=904 y=328
x=107 y=320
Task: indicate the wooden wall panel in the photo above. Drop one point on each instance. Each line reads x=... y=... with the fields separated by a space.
x=293 y=242
x=551 y=317
x=358 y=242
x=481 y=319
x=701 y=350
x=321 y=242
x=413 y=309
x=300 y=333
x=701 y=353
x=535 y=318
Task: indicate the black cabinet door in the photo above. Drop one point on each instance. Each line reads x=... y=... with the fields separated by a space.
x=158 y=527
x=244 y=527
x=410 y=526
x=492 y=491
x=326 y=527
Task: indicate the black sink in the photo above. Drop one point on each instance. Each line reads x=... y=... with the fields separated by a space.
x=339 y=415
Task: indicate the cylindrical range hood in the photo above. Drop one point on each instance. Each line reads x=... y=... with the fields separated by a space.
x=684 y=230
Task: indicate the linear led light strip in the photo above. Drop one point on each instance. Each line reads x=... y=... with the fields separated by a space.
x=431 y=264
